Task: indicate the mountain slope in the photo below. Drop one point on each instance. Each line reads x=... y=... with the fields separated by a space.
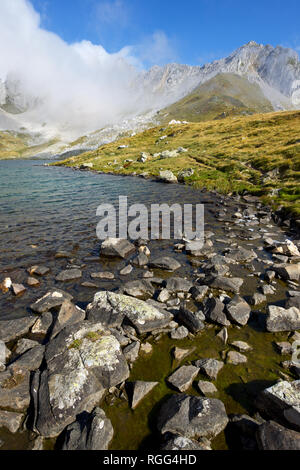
x=259 y=153
x=221 y=96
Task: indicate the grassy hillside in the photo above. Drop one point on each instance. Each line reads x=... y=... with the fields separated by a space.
x=18 y=145
x=222 y=96
x=259 y=153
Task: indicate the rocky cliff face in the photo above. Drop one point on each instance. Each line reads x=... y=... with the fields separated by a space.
x=276 y=70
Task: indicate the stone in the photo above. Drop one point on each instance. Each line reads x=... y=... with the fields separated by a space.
x=267 y=289
x=140 y=260
x=183 y=378
x=167 y=176
x=176 y=442
x=282 y=403
x=81 y=362
x=238 y=311
x=281 y=319
x=33 y=282
x=293 y=302
x=14 y=389
x=68 y=314
x=4 y=355
x=179 y=333
x=38 y=270
x=146 y=348
x=194 y=247
x=131 y=352
x=288 y=271
x=69 y=275
x=194 y=321
x=223 y=335
x=241 y=346
x=166 y=263
x=228 y=284
x=13 y=329
x=210 y=367
x=284 y=348
x=192 y=417
x=206 y=388
x=18 y=289
x=236 y=358
x=37 y=444
x=103 y=275
x=199 y=292
x=257 y=299
x=11 y=421
x=116 y=247
x=24 y=345
x=53 y=299
x=42 y=325
x=270 y=275
x=91 y=431
x=273 y=436
x=31 y=360
x=110 y=309
x=139 y=288
x=179 y=353
x=242 y=254
x=183 y=174
x=138 y=391
x=126 y=270
x=164 y=296
x=214 y=311
x=178 y=284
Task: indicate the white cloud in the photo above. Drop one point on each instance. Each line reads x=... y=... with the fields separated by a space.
x=156 y=49
x=79 y=86
x=112 y=12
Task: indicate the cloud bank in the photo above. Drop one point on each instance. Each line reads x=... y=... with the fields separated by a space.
x=79 y=87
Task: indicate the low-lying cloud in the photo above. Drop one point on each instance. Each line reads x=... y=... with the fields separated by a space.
x=79 y=86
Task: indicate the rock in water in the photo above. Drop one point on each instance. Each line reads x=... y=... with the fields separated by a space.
x=211 y=367
x=139 y=390
x=273 y=436
x=69 y=275
x=116 y=247
x=238 y=310
x=90 y=432
x=82 y=361
x=192 y=417
x=167 y=176
x=281 y=319
x=68 y=314
x=11 y=421
x=169 y=264
x=54 y=298
x=183 y=377
x=110 y=309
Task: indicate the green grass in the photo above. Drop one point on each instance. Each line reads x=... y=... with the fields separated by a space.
x=17 y=145
x=230 y=155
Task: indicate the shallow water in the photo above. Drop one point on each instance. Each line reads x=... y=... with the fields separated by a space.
x=44 y=210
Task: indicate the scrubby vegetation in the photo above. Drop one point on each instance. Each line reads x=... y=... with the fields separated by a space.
x=259 y=153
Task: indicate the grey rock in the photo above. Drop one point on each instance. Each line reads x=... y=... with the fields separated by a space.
x=293 y=302
x=131 y=352
x=228 y=284
x=178 y=284
x=169 y=264
x=167 y=176
x=18 y=289
x=199 y=292
x=42 y=325
x=82 y=361
x=126 y=270
x=183 y=378
x=52 y=299
x=214 y=311
x=176 y=442
x=194 y=321
x=223 y=335
x=115 y=247
x=281 y=319
x=14 y=389
x=242 y=254
x=180 y=353
x=257 y=299
x=140 y=260
x=11 y=421
x=93 y=431
x=69 y=275
x=241 y=346
x=211 y=367
x=13 y=329
x=273 y=436
x=236 y=358
x=192 y=417
x=138 y=391
x=68 y=314
x=38 y=270
x=288 y=271
x=206 y=388
x=24 y=345
x=284 y=348
x=31 y=359
x=164 y=296
x=238 y=310
x=103 y=276
x=282 y=402
x=139 y=288
x=179 y=333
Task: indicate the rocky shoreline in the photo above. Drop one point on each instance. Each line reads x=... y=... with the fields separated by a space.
x=69 y=371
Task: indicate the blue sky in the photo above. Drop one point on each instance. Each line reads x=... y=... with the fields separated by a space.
x=190 y=31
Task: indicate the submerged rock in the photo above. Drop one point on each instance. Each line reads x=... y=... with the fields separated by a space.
x=192 y=417
x=92 y=431
x=69 y=275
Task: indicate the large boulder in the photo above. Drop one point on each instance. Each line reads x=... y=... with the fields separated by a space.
x=92 y=431
x=110 y=309
x=116 y=248
x=68 y=314
x=273 y=436
x=82 y=361
x=282 y=403
x=281 y=319
x=192 y=417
